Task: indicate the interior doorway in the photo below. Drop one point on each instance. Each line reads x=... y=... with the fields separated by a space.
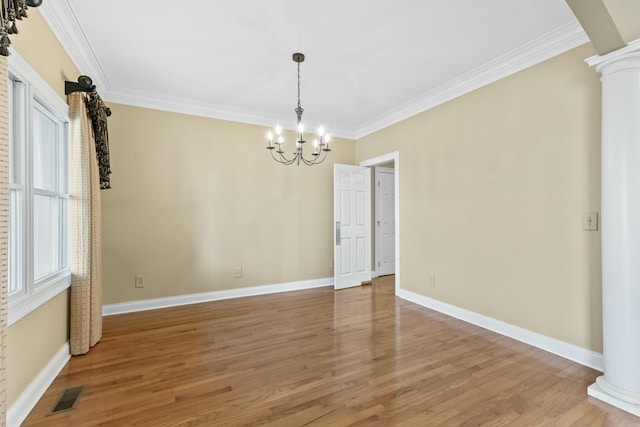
x=384 y=260
x=382 y=161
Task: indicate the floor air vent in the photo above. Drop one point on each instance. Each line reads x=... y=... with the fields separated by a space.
x=68 y=400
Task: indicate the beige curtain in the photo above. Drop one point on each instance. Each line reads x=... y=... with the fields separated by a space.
x=4 y=230
x=86 y=253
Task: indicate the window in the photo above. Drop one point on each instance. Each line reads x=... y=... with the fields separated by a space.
x=38 y=267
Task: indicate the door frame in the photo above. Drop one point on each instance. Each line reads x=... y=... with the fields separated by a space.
x=379 y=160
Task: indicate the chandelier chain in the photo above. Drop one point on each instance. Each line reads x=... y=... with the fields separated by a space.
x=299 y=106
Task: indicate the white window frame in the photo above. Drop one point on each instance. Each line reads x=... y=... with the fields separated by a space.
x=34 y=90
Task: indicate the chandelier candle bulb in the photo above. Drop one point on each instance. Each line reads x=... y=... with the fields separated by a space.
x=269 y=137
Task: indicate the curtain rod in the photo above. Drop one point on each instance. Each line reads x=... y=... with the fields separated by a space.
x=84 y=84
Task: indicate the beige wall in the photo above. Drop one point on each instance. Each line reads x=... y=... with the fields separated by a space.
x=493 y=186
x=193 y=198
x=32 y=342
x=35 y=339
x=41 y=49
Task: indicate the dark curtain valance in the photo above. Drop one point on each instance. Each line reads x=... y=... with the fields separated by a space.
x=12 y=10
x=98 y=112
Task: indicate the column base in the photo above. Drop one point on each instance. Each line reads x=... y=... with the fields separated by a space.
x=614 y=396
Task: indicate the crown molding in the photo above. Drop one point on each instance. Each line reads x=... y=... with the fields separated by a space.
x=192 y=107
x=67 y=28
x=553 y=43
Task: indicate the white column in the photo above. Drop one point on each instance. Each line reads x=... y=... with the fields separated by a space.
x=620 y=220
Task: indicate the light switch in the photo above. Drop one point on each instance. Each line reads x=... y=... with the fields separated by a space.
x=590 y=221
x=237 y=272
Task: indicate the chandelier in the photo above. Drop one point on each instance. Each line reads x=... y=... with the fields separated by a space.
x=320 y=144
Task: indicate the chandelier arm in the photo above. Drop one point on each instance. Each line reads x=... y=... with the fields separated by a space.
x=324 y=156
x=281 y=158
x=295 y=158
x=316 y=159
x=308 y=162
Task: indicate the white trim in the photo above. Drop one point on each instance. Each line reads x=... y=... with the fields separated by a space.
x=20 y=68
x=67 y=28
x=601 y=391
x=386 y=158
x=153 y=304
x=30 y=302
x=36 y=90
x=612 y=56
x=572 y=352
x=156 y=101
x=27 y=400
x=553 y=43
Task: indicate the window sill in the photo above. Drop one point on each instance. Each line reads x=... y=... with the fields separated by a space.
x=24 y=305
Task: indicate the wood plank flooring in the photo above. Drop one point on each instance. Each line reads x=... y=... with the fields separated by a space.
x=358 y=356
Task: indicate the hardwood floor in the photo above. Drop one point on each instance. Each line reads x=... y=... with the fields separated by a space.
x=358 y=356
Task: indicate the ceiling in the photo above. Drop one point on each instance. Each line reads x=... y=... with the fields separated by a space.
x=369 y=63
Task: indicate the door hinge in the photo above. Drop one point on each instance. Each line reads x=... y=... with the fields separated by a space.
x=378 y=183
x=378 y=263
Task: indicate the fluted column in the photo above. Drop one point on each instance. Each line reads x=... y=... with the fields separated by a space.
x=620 y=219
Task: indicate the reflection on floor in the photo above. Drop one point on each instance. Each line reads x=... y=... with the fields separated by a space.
x=323 y=358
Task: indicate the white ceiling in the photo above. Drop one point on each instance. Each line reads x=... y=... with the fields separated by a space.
x=369 y=63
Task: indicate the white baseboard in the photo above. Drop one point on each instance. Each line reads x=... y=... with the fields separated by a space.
x=152 y=304
x=572 y=352
x=19 y=410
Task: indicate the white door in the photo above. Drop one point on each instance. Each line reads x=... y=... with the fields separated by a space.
x=385 y=223
x=352 y=220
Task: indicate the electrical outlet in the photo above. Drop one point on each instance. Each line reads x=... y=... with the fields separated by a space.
x=431 y=282
x=590 y=221
x=237 y=272
x=139 y=281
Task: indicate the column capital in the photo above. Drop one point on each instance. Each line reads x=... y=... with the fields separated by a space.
x=630 y=52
